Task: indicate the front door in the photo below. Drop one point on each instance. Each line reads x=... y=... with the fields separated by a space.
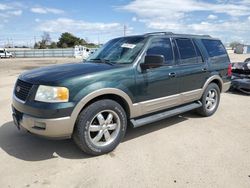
x=158 y=88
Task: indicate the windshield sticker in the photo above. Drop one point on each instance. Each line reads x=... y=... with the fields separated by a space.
x=127 y=45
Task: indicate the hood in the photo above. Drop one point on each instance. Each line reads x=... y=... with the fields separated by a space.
x=56 y=73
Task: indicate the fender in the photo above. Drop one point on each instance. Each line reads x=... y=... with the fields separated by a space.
x=81 y=104
x=212 y=78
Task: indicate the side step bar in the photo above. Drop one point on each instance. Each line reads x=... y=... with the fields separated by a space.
x=163 y=115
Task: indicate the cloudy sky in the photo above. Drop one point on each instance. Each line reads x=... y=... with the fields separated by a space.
x=99 y=20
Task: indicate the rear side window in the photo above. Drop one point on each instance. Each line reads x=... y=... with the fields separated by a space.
x=214 y=47
x=161 y=46
x=189 y=53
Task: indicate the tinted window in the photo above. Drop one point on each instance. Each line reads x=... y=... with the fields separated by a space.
x=186 y=48
x=214 y=47
x=187 y=51
x=161 y=46
x=1 y=51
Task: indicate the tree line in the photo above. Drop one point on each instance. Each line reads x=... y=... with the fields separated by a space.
x=66 y=40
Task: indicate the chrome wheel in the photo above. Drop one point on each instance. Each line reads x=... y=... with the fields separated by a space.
x=104 y=128
x=211 y=99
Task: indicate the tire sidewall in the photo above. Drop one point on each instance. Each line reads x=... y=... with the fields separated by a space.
x=92 y=111
x=210 y=87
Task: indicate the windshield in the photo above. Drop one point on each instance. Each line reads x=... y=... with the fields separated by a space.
x=119 y=51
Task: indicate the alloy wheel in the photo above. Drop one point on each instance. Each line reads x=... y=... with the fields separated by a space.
x=104 y=128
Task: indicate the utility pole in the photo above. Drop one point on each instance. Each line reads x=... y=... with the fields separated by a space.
x=34 y=41
x=124 y=30
x=8 y=43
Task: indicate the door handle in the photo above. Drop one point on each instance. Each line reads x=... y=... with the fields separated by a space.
x=172 y=74
x=204 y=70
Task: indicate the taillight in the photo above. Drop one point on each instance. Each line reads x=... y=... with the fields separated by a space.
x=229 y=70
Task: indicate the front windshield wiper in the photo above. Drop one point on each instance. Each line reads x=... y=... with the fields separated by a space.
x=102 y=60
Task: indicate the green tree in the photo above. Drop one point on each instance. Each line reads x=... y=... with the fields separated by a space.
x=70 y=40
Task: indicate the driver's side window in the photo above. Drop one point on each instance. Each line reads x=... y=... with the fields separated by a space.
x=161 y=46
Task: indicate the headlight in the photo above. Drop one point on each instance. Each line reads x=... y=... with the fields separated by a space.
x=52 y=94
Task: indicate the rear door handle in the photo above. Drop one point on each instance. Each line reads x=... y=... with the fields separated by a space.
x=172 y=74
x=204 y=70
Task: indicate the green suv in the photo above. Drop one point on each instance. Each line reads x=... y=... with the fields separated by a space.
x=133 y=80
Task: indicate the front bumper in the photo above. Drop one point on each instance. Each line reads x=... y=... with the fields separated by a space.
x=46 y=126
x=57 y=128
x=52 y=128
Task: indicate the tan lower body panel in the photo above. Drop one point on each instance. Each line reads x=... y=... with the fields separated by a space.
x=155 y=105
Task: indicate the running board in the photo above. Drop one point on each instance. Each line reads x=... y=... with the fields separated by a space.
x=163 y=115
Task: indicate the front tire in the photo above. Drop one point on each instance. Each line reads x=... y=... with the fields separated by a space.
x=100 y=127
x=210 y=100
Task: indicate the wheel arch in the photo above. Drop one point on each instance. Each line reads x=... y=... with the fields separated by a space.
x=214 y=79
x=106 y=93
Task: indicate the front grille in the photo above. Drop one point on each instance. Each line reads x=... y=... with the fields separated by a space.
x=22 y=89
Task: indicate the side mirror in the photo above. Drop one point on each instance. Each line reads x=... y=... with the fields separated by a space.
x=152 y=61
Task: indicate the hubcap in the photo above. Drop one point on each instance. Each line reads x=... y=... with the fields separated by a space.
x=211 y=100
x=104 y=128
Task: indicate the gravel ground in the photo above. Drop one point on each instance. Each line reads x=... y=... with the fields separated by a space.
x=182 y=151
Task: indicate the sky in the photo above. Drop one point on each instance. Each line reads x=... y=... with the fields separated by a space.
x=23 y=22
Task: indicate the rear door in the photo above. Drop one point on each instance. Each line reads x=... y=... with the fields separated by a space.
x=193 y=69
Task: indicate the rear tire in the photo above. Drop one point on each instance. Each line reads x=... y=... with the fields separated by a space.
x=100 y=127
x=247 y=60
x=210 y=100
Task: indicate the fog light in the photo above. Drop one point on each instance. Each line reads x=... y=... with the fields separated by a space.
x=39 y=125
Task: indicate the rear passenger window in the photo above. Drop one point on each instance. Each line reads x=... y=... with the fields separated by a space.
x=214 y=47
x=186 y=50
x=161 y=46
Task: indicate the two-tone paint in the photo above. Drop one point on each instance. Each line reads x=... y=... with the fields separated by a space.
x=139 y=92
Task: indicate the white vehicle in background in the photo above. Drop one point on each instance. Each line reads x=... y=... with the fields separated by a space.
x=5 y=54
x=92 y=50
x=83 y=52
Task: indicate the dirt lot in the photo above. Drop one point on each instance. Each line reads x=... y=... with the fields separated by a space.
x=183 y=151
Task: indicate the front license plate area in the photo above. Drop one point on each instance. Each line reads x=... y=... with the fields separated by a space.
x=16 y=121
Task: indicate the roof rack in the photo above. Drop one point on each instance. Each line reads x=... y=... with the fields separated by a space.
x=171 y=33
x=157 y=33
x=206 y=36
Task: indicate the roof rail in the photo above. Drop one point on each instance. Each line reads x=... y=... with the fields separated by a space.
x=206 y=36
x=157 y=33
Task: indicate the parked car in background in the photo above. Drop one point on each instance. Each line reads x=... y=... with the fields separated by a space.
x=5 y=54
x=133 y=80
x=241 y=76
